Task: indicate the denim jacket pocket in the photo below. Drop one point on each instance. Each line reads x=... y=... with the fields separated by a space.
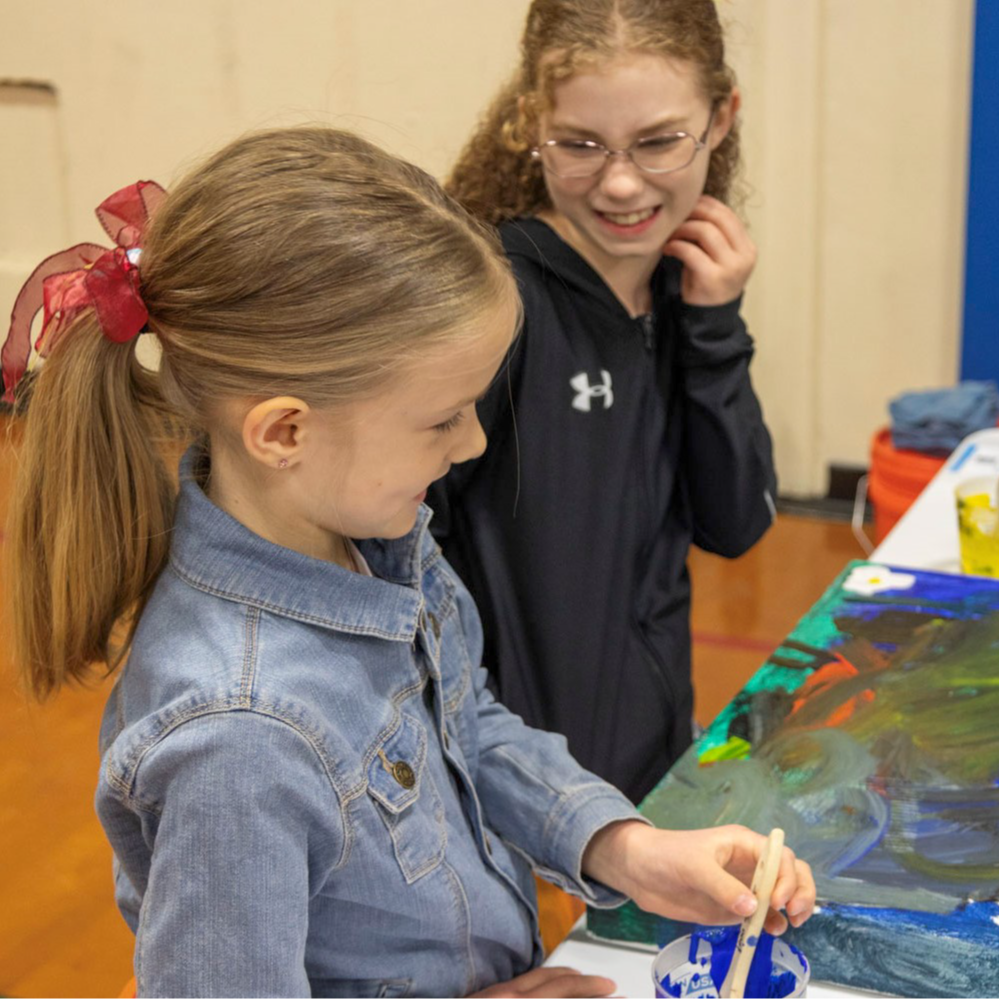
x=341 y=988
x=357 y=987
x=408 y=801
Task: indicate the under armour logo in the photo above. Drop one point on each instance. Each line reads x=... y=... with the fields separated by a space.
x=586 y=392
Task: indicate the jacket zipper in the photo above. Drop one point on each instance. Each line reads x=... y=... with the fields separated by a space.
x=648 y=330
x=659 y=668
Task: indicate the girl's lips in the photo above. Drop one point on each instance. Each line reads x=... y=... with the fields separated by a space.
x=646 y=218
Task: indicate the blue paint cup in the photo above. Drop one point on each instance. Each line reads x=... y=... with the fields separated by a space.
x=694 y=966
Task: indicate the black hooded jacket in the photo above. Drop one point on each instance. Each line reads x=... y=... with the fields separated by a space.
x=614 y=443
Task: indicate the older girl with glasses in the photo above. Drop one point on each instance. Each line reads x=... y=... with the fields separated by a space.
x=626 y=427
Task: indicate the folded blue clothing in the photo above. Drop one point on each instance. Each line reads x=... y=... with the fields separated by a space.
x=937 y=420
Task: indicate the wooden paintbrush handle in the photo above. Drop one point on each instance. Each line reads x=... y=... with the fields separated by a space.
x=764 y=879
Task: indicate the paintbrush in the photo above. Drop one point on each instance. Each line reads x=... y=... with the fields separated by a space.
x=764 y=879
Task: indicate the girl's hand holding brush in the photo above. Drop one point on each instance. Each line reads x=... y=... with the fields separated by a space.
x=698 y=875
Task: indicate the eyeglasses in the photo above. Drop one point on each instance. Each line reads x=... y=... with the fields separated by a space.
x=572 y=158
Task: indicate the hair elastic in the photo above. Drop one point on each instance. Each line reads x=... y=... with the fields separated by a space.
x=86 y=276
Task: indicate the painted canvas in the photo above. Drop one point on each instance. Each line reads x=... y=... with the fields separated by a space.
x=871 y=736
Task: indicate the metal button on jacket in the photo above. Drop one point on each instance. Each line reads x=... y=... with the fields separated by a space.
x=403 y=773
x=400 y=770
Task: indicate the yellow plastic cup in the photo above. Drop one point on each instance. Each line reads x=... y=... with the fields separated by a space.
x=978 y=526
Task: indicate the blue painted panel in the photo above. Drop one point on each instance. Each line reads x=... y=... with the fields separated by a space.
x=868 y=736
x=980 y=350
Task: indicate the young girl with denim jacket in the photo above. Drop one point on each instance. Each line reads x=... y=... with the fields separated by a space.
x=306 y=783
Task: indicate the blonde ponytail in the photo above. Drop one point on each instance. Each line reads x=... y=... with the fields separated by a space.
x=89 y=525
x=300 y=261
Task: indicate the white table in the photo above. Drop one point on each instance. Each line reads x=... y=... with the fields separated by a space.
x=924 y=538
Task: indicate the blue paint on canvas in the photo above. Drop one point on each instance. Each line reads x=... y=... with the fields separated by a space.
x=871 y=736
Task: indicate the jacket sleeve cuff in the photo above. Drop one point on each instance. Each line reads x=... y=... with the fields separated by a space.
x=572 y=825
x=713 y=334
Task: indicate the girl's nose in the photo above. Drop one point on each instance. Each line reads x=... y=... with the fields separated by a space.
x=620 y=178
x=473 y=441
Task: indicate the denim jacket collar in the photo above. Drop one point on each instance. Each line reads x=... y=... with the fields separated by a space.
x=213 y=552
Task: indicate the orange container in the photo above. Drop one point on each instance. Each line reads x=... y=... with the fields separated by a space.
x=895 y=479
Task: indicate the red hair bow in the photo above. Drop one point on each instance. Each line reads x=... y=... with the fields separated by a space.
x=85 y=276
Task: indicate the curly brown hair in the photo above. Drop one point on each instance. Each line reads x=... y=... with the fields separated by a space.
x=495 y=178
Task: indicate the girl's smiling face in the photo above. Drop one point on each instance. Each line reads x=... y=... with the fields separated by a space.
x=369 y=472
x=623 y=212
x=307 y=478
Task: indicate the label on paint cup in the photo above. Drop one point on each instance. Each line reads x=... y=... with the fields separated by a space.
x=694 y=966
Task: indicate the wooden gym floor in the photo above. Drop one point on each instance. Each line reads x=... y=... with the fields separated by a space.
x=60 y=934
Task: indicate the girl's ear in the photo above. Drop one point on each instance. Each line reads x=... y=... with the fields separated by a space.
x=275 y=430
x=725 y=114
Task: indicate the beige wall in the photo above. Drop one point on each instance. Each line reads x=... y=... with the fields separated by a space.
x=855 y=124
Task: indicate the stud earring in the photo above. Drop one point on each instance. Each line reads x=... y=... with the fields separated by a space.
x=283 y=463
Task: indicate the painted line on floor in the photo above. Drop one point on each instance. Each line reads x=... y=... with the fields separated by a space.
x=734 y=642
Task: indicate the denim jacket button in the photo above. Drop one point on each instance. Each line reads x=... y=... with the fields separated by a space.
x=403 y=773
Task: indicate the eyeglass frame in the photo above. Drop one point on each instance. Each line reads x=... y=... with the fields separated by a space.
x=699 y=144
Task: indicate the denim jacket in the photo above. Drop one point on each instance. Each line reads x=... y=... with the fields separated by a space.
x=308 y=787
